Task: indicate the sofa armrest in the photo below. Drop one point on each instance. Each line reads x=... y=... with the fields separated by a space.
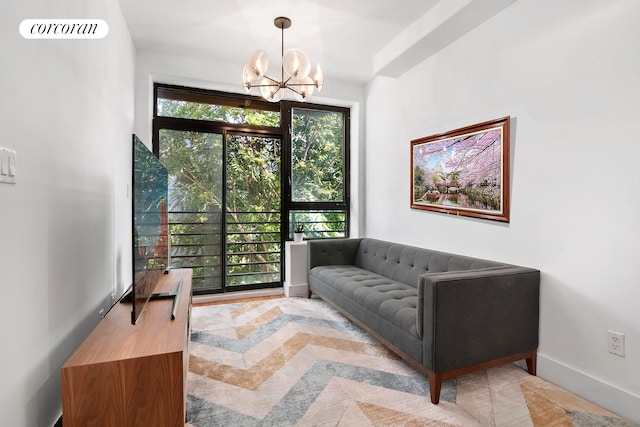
x=470 y=317
x=332 y=252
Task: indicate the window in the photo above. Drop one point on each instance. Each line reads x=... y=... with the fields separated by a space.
x=185 y=103
x=317 y=159
x=318 y=172
x=242 y=172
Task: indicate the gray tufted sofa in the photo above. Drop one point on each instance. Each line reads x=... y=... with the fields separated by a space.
x=445 y=314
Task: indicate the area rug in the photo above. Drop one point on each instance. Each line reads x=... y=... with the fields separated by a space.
x=298 y=362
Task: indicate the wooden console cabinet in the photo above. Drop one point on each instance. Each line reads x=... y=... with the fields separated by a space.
x=132 y=375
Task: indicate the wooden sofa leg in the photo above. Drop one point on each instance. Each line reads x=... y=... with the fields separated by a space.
x=309 y=293
x=435 y=384
x=532 y=362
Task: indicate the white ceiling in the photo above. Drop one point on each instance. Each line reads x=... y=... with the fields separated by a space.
x=343 y=36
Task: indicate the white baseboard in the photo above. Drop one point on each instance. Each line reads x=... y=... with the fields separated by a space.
x=297 y=290
x=616 y=400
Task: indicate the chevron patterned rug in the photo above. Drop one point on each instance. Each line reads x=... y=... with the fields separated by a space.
x=298 y=362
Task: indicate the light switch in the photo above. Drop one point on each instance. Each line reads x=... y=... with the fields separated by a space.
x=4 y=162
x=7 y=166
x=12 y=163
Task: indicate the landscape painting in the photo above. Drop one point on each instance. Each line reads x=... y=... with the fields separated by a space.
x=464 y=171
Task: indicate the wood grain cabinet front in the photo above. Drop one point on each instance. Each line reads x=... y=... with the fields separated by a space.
x=132 y=375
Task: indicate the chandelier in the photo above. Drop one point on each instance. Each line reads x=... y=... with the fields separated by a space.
x=295 y=72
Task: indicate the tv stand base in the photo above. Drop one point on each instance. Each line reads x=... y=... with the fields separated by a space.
x=128 y=297
x=167 y=295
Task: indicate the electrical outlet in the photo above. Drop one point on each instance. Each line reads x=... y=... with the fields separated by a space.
x=101 y=314
x=615 y=341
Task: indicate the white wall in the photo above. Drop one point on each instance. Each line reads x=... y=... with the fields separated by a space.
x=153 y=67
x=568 y=74
x=67 y=110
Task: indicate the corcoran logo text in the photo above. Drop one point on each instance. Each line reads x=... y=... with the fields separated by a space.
x=64 y=28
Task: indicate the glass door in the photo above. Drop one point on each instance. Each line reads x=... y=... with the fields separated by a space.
x=224 y=207
x=196 y=204
x=253 y=213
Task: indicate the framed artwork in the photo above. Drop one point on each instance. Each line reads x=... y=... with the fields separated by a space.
x=463 y=171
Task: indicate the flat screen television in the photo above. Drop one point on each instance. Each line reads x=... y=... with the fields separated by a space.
x=149 y=225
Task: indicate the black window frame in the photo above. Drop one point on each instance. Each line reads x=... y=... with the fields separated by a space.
x=285 y=107
x=286 y=119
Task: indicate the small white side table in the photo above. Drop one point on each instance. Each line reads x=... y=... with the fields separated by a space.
x=295 y=279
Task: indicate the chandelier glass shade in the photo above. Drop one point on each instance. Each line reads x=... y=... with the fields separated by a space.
x=295 y=72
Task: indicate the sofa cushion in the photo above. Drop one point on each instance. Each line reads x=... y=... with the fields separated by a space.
x=406 y=264
x=391 y=300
